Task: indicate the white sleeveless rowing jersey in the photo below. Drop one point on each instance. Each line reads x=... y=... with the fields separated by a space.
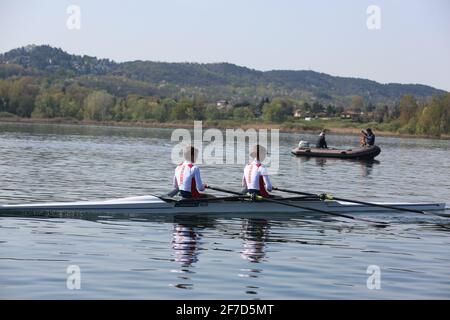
x=187 y=175
x=256 y=177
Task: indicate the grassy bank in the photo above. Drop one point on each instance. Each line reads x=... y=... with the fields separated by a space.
x=333 y=126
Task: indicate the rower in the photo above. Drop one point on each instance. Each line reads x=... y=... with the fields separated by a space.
x=256 y=178
x=187 y=180
x=369 y=137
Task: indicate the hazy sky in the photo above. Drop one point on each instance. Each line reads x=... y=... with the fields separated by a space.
x=412 y=46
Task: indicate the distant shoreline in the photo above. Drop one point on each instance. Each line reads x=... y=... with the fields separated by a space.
x=218 y=125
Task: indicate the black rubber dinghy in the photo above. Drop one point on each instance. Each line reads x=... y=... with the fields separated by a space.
x=364 y=153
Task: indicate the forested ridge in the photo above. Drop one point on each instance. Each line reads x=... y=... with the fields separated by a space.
x=46 y=82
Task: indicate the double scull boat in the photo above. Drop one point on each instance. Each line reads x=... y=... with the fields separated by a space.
x=154 y=205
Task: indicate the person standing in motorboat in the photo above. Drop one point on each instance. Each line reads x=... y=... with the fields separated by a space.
x=369 y=138
x=187 y=181
x=256 y=178
x=322 y=143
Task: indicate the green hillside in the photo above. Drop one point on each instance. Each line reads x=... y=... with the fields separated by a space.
x=46 y=82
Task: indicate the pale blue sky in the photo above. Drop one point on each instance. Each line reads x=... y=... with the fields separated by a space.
x=413 y=45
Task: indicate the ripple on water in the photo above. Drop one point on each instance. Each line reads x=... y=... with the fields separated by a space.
x=215 y=258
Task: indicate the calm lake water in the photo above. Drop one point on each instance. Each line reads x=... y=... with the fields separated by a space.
x=216 y=257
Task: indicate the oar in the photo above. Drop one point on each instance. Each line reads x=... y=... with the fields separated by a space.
x=223 y=190
x=320 y=211
x=300 y=207
x=330 y=197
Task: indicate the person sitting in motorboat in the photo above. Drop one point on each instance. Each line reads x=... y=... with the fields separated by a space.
x=369 y=137
x=322 y=143
x=187 y=181
x=256 y=178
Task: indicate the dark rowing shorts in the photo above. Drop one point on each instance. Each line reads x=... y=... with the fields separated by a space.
x=185 y=194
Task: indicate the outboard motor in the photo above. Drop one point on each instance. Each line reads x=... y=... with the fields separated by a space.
x=303 y=144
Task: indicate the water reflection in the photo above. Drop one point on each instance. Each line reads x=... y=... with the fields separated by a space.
x=187 y=244
x=76 y=163
x=321 y=162
x=254 y=234
x=366 y=166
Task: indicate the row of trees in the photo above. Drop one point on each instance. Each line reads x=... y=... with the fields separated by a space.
x=26 y=97
x=430 y=118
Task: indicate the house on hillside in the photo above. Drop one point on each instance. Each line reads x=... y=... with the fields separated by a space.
x=298 y=113
x=222 y=104
x=308 y=114
x=320 y=114
x=303 y=114
x=352 y=115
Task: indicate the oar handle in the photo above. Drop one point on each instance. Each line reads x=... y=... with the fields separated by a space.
x=322 y=196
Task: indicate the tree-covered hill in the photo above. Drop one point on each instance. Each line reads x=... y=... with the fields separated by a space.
x=209 y=81
x=49 y=60
x=45 y=82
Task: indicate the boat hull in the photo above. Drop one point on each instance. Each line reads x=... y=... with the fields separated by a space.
x=150 y=205
x=366 y=153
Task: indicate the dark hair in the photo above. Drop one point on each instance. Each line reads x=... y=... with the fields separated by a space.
x=369 y=130
x=189 y=153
